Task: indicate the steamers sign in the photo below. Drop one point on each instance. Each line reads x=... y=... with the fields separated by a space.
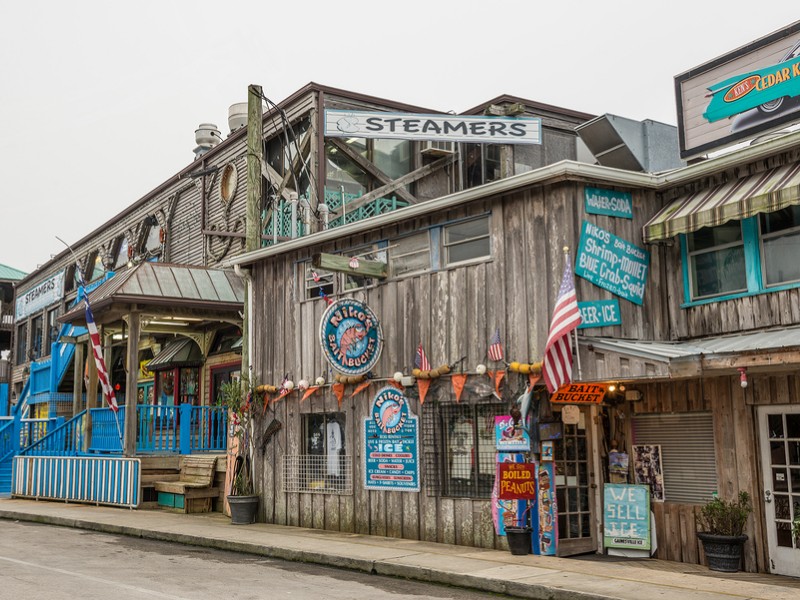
x=350 y=336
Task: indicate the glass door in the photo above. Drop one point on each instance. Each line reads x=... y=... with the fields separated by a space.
x=780 y=455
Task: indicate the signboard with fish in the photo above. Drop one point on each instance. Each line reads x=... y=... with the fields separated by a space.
x=391 y=441
x=510 y=436
x=351 y=336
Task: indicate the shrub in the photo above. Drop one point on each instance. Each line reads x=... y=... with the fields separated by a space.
x=720 y=517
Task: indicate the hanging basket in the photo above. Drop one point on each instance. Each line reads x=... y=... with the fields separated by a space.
x=519 y=540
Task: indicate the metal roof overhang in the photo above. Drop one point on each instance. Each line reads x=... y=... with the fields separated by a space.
x=739 y=199
x=773 y=349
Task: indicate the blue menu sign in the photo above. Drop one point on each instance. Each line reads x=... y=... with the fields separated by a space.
x=599 y=313
x=608 y=202
x=391 y=440
x=626 y=516
x=612 y=263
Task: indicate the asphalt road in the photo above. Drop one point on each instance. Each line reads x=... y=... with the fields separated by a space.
x=48 y=562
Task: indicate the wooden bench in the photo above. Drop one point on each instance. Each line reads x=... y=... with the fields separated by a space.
x=193 y=491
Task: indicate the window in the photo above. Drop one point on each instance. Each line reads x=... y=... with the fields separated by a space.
x=94 y=267
x=410 y=254
x=375 y=253
x=391 y=157
x=465 y=466
x=780 y=246
x=52 y=328
x=317 y=282
x=325 y=466
x=153 y=240
x=36 y=338
x=122 y=253
x=482 y=164
x=22 y=343
x=467 y=240
x=716 y=255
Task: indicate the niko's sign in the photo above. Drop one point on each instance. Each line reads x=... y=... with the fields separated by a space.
x=351 y=337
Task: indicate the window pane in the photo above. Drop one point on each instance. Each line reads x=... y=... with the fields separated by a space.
x=410 y=254
x=22 y=344
x=153 y=238
x=468 y=251
x=467 y=240
x=122 y=255
x=393 y=157
x=780 y=220
x=719 y=272
x=467 y=230
x=708 y=237
x=36 y=337
x=780 y=258
x=341 y=171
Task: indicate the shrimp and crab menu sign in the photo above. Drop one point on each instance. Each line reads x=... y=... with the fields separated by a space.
x=350 y=335
x=391 y=440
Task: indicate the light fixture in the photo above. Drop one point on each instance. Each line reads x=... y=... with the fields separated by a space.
x=612 y=387
x=172 y=323
x=621 y=387
x=742 y=376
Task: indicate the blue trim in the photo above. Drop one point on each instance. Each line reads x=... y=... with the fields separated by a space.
x=687 y=290
x=752 y=256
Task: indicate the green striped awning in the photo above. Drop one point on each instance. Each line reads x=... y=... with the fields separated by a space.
x=766 y=192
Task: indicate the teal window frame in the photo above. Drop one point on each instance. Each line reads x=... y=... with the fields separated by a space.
x=753 y=267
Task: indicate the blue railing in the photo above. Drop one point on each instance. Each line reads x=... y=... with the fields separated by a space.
x=93 y=479
x=208 y=428
x=107 y=430
x=157 y=429
x=32 y=430
x=9 y=438
x=67 y=439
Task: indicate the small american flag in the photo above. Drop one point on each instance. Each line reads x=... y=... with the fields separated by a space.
x=557 y=362
x=97 y=351
x=421 y=361
x=495 y=347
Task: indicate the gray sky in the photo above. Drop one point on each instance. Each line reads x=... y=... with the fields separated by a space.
x=99 y=100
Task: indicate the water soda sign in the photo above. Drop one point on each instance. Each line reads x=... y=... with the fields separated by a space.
x=612 y=263
x=608 y=202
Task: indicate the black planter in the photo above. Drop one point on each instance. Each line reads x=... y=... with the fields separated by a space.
x=243 y=509
x=519 y=540
x=724 y=552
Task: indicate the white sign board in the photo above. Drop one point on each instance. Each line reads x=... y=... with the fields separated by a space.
x=40 y=296
x=452 y=128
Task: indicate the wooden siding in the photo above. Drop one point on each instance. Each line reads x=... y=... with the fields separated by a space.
x=453 y=311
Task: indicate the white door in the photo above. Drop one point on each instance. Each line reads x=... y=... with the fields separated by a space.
x=780 y=457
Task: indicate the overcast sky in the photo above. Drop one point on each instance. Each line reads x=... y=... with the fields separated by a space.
x=99 y=100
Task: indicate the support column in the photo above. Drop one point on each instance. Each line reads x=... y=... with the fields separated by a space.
x=91 y=398
x=132 y=363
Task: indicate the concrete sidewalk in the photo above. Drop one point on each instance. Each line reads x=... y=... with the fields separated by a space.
x=488 y=570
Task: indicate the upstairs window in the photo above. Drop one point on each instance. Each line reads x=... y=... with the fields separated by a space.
x=410 y=254
x=466 y=241
x=716 y=259
x=780 y=246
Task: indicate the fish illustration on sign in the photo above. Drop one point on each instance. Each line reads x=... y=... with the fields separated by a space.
x=351 y=336
x=390 y=411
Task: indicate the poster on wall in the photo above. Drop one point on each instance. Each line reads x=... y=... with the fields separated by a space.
x=647 y=469
x=753 y=89
x=509 y=437
x=545 y=520
x=391 y=442
x=626 y=516
x=350 y=336
x=507 y=513
x=612 y=263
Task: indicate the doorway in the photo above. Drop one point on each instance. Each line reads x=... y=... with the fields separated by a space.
x=779 y=428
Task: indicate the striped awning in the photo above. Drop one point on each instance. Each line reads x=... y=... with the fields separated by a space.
x=766 y=192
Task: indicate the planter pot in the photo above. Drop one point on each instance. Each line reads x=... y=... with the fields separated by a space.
x=519 y=540
x=724 y=552
x=243 y=509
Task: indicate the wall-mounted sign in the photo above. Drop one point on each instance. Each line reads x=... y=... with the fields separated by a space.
x=40 y=296
x=391 y=439
x=545 y=519
x=599 y=313
x=579 y=393
x=351 y=337
x=516 y=481
x=453 y=128
x=509 y=438
x=626 y=516
x=570 y=414
x=750 y=90
x=611 y=203
x=507 y=513
x=612 y=263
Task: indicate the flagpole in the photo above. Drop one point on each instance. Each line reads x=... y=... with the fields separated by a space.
x=85 y=299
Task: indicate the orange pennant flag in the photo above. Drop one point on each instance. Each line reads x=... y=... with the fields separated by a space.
x=497 y=376
x=532 y=380
x=423 y=385
x=396 y=384
x=458 y=380
x=338 y=391
x=266 y=403
x=309 y=391
x=363 y=386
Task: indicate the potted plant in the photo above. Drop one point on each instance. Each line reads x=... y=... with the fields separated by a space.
x=721 y=529
x=236 y=396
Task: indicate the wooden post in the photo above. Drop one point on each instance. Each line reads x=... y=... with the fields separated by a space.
x=91 y=397
x=77 y=380
x=131 y=381
x=255 y=144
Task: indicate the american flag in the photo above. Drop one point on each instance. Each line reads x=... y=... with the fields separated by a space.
x=97 y=350
x=421 y=361
x=495 y=347
x=557 y=363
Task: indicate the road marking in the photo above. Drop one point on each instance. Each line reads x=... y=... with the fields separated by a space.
x=95 y=579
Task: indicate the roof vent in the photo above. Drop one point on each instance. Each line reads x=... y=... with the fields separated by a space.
x=632 y=145
x=206 y=136
x=237 y=116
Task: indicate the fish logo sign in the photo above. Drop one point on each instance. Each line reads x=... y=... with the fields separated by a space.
x=350 y=336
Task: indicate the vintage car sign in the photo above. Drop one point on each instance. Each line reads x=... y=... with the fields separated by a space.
x=351 y=337
x=391 y=439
